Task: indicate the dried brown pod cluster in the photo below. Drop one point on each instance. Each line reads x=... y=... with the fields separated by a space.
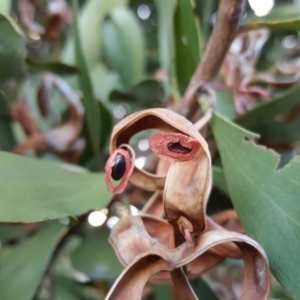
x=63 y=139
x=239 y=70
x=58 y=13
x=188 y=242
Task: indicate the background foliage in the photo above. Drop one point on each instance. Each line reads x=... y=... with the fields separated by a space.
x=118 y=57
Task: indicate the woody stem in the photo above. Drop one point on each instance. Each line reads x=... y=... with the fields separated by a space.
x=230 y=13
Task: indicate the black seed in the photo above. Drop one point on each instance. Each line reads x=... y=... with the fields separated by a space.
x=119 y=168
x=178 y=148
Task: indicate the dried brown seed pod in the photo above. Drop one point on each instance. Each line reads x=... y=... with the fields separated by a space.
x=187 y=185
x=147 y=253
x=154 y=249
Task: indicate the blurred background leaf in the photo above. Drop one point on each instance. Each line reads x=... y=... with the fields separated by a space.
x=203 y=291
x=267 y=111
x=7 y=138
x=100 y=263
x=12 y=51
x=5 y=7
x=166 y=11
x=23 y=265
x=188 y=42
x=281 y=18
x=123 y=45
x=147 y=93
x=53 y=67
x=92 y=128
x=90 y=19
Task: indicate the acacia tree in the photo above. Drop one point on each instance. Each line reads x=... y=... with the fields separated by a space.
x=79 y=169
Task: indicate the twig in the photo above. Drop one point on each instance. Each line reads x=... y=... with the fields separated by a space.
x=230 y=13
x=74 y=230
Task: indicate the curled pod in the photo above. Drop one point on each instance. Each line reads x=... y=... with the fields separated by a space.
x=188 y=181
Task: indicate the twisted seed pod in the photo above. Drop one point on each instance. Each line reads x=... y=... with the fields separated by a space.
x=187 y=185
x=153 y=249
x=146 y=254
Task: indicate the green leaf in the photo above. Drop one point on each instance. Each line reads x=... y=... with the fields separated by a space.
x=51 y=66
x=33 y=190
x=265 y=198
x=219 y=179
x=282 y=17
x=106 y=124
x=7 y=138
x=268 y=110
x=89 y=24
x=147 y=93
x=68 y=289
x=124 y=45
x=165 y=10
x=187 y=42
x=162 y=291
x=90 y=20
x=225 y=105
x=205 y=9
x=12 y=232
x=203 y=290
x=101 y=261
x=5 y=7
x=92 y=115
x=23 y=265
x=103 y=81
x=282 y=132
x=12 y=49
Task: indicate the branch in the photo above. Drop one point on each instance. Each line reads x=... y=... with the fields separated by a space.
x=76 y=229
x=230 y=13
